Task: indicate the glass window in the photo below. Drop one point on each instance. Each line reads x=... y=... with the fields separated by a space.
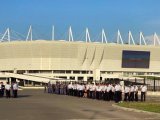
x=76 y=72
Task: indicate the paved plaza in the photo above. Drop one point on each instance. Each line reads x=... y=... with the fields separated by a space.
x=37 y=105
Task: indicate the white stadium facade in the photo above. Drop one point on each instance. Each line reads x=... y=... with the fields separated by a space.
x=45 y=60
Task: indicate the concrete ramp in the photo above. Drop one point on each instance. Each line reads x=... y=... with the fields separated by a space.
x=26 y=77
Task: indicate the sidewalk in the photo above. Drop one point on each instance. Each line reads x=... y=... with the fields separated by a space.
x=31 y=87
x=150 y=93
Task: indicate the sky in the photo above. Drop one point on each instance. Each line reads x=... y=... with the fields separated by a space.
x=125 y=15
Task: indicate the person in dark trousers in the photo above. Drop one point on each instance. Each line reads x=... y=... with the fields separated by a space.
x=2 y=89
x=131 y=96
x=136 y=93
x=15 y=89
x=126 y=93
x=143 y=92
x=45 y=88
x=118 y=93
x=8 y=88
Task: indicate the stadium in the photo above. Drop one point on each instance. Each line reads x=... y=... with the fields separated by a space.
x=43 y=60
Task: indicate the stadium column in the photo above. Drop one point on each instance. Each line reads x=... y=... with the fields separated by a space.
x=76 y=78
x=135 y=80
x=41 y=83
x=24 y=83
x=85 y=78
x=144 y=80
x=32 y=83
x=68 y=77
x=10 y=80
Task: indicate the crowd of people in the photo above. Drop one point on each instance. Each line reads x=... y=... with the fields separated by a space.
x=106 y=92
x=9 y=90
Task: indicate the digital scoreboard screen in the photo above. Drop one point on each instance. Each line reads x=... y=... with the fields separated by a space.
x=135 y=59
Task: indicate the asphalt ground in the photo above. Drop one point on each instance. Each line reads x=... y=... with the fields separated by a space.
x=37 y=105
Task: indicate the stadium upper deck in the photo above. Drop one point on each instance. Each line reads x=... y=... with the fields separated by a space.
x=80 y=60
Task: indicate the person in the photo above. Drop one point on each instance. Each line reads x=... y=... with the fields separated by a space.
x=136 y=92
x=81 y=90
x=131 y=96
x=104 y=87
x=53 y=88
x=85 y=92
x=8 y=88
x=49 y=87
x=113 y=92
x=74 y=89
x=98 y=90
x=143 y=92
x=15 y=89
x=88 y=90
x=101 y=92
x=93 y=88
x=70 y=89
x=109 y=92
x=2 y=88
x=45 y=88
x=65 y=89
x=126 y=93
x=61 y=88
x=117 y=93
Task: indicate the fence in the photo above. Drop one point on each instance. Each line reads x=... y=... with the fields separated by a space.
x=152 y=84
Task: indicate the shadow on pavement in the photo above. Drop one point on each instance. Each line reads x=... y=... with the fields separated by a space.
x=23 y=96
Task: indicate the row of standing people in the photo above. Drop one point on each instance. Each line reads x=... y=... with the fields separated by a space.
x=131 y=93
x=105 y=92
x=8 y=89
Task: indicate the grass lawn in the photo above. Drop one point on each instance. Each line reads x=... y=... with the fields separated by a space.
x=146 y=106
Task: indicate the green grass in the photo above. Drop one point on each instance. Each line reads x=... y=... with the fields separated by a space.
x=146 y=106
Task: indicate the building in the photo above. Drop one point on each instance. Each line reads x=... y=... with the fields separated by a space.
x=78 y=60
x=41 y=61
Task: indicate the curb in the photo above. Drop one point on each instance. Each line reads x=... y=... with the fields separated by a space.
x=134 y=110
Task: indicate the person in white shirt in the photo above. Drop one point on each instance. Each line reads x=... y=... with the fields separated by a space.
x=131 y=96
x=98 y=90
x=70 y=89
x=77 y=89
x=143 y=92
x=126 y=93
x=109 y=91
x=85 y=91
x=81 y=90
x=105 y=92
x=113 y=92
x=93 y=89
x=136 y=93
x=117 y=93
x=15 y=89
x=74 y=89
x=88 y=90
x=8 y=88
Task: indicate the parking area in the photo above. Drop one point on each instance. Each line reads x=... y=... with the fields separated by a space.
x=37 y=105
